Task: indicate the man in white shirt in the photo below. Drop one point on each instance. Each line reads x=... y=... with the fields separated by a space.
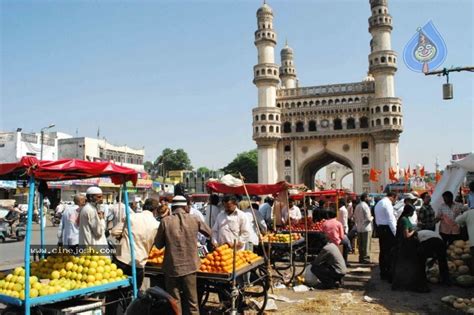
x=386 y=230
x=363 y=222
x=230 y=225
x=343 y=216
x=68 y=231
x=91 y=220
x=294 y=213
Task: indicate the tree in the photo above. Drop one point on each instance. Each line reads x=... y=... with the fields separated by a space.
x=203 y=169
x=169 y=160
x=246 y=163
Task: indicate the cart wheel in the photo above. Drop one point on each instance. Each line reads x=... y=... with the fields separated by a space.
x=257 y=290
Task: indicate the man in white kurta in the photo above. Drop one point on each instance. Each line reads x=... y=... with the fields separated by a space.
x=91 y=220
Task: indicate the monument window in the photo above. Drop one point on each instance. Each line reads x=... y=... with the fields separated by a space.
x=364 y=122
x=365 y=160
x=277 y=129
x=364 y=145
x=312 y=125
x=287 y=163
x=386 y=121
x=299 y=126
x=337 y=124
x=256 y=117
x=277 y=118
x=394 y=108
x=386 y=109
x=263 y=129
x=263 y=117
x=377 y=109
x=256 y=129
x=287 y=127
x=356 y=99
x=395 y=121
x=271 y=129
x=351 y=123
x=288 y=179
x=287 y=148
x=343 y=101
x=270 y=117
x=378 y=122
x=333 y=175
x=365 y=178
x=317 y=103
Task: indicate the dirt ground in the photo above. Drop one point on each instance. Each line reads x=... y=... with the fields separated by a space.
x=350 y=298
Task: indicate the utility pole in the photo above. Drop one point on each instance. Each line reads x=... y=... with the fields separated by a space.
x=448 y=87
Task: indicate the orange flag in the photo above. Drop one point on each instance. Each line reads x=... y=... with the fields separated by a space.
x=422 y=171
x=407 y=174
x=392 y=175
x=374 y=175
x=437 y=176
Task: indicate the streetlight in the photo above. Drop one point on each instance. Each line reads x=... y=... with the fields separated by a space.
x=448 y=87
x=42 y=138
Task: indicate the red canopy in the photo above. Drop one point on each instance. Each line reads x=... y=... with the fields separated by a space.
x=324 y=193
x=253 y=189
x=66 y=169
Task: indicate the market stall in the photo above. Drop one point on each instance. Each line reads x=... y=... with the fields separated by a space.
x=24 y=293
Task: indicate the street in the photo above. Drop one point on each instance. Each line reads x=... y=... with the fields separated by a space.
x=12 y=252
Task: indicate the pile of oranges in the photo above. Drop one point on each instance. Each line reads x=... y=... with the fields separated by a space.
x=221 y=259
x=156 y=256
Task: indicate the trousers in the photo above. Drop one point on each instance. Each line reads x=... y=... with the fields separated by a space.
x=183 y=290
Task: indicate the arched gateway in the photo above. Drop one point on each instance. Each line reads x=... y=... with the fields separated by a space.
x=299 y=130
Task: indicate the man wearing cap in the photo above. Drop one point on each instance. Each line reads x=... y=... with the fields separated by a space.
x=178 y=233
x=91 y=221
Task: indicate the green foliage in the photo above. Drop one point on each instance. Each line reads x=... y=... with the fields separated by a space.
x=203 y=169
x=245 y=163
x=169 y=160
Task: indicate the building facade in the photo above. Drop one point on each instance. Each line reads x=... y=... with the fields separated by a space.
x=299 y=130
x=15 y=145
x=91 y=149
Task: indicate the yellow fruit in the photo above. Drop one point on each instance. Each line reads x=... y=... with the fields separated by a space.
x=14 y=278
x=69 y=265
x=63 y=272
x=79 y=277
x=51 y=290
x=106 y=275
x=119 y=272
x=44 y=291
x=90 y=279
x=37 y=286
x=55 y=274
x=86 y=263
x=99 y=276
x=33 y=280
x=74 y=267
x=113 y=267
x=100 y=269
x=80 y=269
x=93 y=264
x=107 y=268
x=95 y=258
x=20 y=280
x=113 y=274
x=91 y=271
x=33 y=293
x=9 y=277
x=17 y=271
x=17 y=287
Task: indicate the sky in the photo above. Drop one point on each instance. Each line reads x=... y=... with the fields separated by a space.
x=178 y=74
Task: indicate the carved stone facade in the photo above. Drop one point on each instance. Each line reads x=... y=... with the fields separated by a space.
x=299 y=130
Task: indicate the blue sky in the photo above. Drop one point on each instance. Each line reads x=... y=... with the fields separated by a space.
x=179 y=73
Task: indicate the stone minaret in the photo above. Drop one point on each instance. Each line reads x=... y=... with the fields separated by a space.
x=385 y=107
x=287 y=69
x=266 y=117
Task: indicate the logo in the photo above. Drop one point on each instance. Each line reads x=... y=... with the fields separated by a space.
x=426 y=50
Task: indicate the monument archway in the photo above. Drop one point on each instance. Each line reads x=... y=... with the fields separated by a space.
x=317 y=162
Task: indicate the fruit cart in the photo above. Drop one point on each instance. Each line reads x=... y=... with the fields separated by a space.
x=284 y=249
x=228 y=285
x=34 y=171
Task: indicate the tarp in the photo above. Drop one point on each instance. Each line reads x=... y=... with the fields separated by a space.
x=452 y=179
x=253 y=189
x=66 y=169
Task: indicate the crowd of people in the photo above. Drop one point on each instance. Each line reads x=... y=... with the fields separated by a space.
x=179 y=226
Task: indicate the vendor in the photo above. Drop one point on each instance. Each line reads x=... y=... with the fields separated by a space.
x=467 y=219
x=291 y=212
x=432 y=246
x=328 y=267
x=178 y=233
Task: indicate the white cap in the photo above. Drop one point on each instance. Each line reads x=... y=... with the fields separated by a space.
x=410 y=196
x=94 y=190
x=179 y=201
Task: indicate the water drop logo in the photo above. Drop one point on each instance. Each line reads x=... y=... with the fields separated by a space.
x=426 y=50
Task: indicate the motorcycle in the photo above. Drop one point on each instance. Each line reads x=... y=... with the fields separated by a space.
x=19 y=232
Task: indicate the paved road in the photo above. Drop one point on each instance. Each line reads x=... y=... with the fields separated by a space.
x=12 y=253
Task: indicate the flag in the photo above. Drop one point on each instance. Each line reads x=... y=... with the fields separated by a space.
x=392 y=175
x=422 y=171
x=407 y=174
x=374 y=175
x=437 y=176
x=414 y=172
